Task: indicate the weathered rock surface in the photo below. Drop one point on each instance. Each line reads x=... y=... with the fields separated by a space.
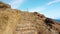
x=14 y=21
x=3 y=5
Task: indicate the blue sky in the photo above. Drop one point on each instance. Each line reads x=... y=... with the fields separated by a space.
x=50 y=8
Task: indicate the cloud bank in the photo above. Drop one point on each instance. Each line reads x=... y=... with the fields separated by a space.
x=16 y=3
x=37 y=9
x=52 y=2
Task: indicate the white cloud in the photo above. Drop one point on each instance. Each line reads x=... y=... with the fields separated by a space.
x=16 y=3
x=37 y=9
x=52 y=2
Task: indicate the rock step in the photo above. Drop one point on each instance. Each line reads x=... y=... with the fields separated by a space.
x=25 y=29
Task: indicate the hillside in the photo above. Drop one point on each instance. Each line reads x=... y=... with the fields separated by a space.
x=13 y=21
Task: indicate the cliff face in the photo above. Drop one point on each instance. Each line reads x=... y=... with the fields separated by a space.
x=14 y=21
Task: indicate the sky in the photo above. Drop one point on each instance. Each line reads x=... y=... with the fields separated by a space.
x=50 y=8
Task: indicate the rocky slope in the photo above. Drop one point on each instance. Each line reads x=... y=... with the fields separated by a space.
x=14 y=21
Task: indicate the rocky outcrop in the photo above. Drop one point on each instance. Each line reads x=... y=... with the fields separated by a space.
x=3 y=5
x=14 y=21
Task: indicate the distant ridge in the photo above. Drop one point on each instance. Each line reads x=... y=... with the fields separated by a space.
x=57 y=20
